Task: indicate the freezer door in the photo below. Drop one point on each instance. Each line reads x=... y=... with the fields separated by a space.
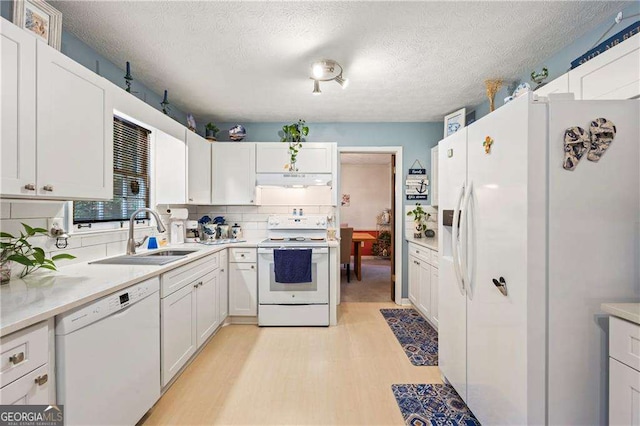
x=497 y=234
x=452 y=306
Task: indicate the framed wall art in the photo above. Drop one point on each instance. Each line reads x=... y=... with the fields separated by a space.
x=454 y=122
x=39 y=18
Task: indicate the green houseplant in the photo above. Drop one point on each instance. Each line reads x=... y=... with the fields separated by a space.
x=420 y=218
x=210 y=131
x=293 y=134
x=21 y=251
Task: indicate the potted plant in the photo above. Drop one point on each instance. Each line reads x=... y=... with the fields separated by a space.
x=293 y=134
x=210 y=131
x=21 y=251
x=420 y=218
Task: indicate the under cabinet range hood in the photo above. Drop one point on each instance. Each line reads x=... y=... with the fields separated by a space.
x=293 y=180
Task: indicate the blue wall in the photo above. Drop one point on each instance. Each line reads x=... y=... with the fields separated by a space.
x=82 y=53
x=416 y=140
x=560 y=62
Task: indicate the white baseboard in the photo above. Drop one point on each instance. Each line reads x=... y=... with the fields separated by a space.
x=405 y=302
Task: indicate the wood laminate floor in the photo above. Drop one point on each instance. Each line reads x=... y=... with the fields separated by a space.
x=339 y=375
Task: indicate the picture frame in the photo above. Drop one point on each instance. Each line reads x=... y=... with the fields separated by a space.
x=39 y=18
x=454 y=121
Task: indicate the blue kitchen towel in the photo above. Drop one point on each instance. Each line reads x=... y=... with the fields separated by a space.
x=292 y=266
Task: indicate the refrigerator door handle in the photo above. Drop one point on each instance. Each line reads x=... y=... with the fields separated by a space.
x=454 y=240
x=466 y=265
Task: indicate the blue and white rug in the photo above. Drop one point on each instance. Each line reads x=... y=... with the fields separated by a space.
x=418 y=339
x=432 y=405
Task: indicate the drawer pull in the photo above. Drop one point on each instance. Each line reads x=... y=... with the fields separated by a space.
x=16 y=358
x=30 y=187
x=41 y=380
x=417 y=251
x=242 y=255
x=221 y=270
x=48 y=188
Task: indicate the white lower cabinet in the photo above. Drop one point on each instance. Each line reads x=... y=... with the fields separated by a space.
x=30 y=389
x=178 y=331
x=223 y=283
x=189 y=316
x=624 y=376
x=243 y=282
x=624 y=394
x=25 y=374
x=434 y=295
x=423 y=281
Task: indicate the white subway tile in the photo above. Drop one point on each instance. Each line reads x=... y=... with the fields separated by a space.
x=250 y=225
x=5 y=209
x=242 y=209
x=274 y=209
x=117 y=248
x=83 y=254
x=35 y=209
x=92 y=240
x=211 y=210
x=14 y=226
x=255 y=217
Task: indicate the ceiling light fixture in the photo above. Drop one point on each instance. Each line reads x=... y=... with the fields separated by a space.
x=327 y=70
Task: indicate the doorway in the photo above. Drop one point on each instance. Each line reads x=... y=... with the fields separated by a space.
x=368 y=202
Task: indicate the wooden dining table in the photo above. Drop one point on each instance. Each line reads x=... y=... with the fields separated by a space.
x=358 y=239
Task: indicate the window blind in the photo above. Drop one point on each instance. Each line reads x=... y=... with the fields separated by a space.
x=130 y=177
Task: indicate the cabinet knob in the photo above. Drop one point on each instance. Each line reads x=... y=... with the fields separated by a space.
x=251 y=201
x=41 y=380
x=30 y=187
x=16 y=358
x=253 y=267
x=48 y=188
x=221 y=270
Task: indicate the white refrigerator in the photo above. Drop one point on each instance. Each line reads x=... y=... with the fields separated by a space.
x=562 y=242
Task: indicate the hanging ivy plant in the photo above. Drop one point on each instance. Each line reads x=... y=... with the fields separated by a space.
x=293 y=134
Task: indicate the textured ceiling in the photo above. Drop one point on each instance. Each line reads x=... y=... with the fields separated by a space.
x=355 y=158
x=249 y=61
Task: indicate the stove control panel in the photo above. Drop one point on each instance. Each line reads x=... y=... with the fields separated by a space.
x=297 y=222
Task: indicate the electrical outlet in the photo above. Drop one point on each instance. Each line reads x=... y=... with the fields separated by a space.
x=56 y=223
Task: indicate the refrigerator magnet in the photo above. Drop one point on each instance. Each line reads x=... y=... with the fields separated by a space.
x=487 y=144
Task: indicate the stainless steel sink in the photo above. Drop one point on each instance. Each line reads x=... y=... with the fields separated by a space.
x=160 y=257
x=169 y=253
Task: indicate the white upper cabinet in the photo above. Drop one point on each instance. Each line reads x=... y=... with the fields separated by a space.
x=18 y=129
x=234 y=173
x=559 y=85
x=57 y=123
x=198 y=169
x=170 y=169
x=272 y=157
x=614 y=74
x=74 y=129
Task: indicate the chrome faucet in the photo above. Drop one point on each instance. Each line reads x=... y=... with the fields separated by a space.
x=131 y=243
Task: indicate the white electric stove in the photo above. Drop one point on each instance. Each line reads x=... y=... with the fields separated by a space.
x=294 y=304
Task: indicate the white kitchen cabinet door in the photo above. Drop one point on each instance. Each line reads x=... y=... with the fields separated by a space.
x=18 y=130
x=243 y=289
x=198 y=169
x=179 y=341
x=26 y=390
x=170 y=169
x=414 y=280
x=271 y=157
x=614 y=74
x=424 y=301
x=624 y=394
x=434 y=295
x=74 y=129
x=234 y=173
x=434 y=176
x=207 y=319
x=223 y=285
x=559 y=85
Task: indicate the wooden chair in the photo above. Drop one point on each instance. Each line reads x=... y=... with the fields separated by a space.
x=346 y=241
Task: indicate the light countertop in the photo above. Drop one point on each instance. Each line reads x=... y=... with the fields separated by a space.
x=44 y=294
x=430 y=243
x=627 y=311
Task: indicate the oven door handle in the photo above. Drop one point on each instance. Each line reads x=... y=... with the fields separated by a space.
x=318 y=250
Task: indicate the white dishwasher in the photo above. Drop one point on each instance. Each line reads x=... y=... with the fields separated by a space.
x=108 y=357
